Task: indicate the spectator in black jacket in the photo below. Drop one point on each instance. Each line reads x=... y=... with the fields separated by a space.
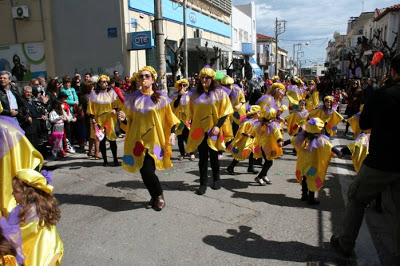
x=9 y=97
x=380 y=169
x=32 y=125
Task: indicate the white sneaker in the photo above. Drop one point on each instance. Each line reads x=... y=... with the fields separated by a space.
x=54 y=154
x=260 y=181
x=266 y=180
x=71 y=149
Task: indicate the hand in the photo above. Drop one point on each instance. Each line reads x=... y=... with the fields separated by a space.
x=76 y=103
x=215 y=131
x=171 y=140
x=44 y=117
x=94 y=121
x=30 y=119
x=13 y=112
x=113 y=111
x=121 y=116
x=280 y=143
x=73 y=119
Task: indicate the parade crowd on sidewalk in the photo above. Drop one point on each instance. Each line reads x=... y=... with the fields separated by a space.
x=209 y=114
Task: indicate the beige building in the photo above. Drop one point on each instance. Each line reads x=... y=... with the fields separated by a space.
x=55 y=38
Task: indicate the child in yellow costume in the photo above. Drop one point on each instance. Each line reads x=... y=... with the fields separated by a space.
x=149 y=123
x=180 y=107
x=238 y=102
x=312 y=96
x=314 y=152
x=210 y=108
x=295 y=93
x=328 y=115
x=34 y=219
x=296 y=121
x=354 y=122
x=102 y=108
x=242 y=146
x=269 y=142
x=16 y=152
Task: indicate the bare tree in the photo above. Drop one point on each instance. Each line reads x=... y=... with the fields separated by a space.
x=204 y=55
x=178 y=58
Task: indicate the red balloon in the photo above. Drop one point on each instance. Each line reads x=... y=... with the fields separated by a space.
x=376 y=58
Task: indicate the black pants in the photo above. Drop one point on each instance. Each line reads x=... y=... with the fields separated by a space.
x=266 y=166
x=182 y=139
x=113 y=146
x=149 y=177
x=204 y=151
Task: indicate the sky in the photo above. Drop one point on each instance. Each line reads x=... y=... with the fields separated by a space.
x=312 y=21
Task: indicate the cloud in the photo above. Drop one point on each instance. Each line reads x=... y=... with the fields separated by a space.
x=309 y=20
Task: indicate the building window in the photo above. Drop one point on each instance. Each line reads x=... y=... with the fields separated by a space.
x=385 y=33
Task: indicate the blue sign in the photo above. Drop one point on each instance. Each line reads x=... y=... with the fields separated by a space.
x=192 y=17
x=133 y=23
x=112 y=32
x=142 y=40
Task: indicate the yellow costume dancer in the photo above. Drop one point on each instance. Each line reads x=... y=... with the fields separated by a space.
x=16 y=152
x=148 y=120
x=297 y=119
x=314 y=152
x=242 y=146
x=354 y=122
x=312 y=96
x=237 y=99
x=102 y=109
x=269 y=142
x=180 y=107
x=329 y=116
x=295 y=93
x=210 y=108
x=41 y=244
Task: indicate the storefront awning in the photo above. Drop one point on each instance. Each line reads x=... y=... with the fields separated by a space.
x=256 y=68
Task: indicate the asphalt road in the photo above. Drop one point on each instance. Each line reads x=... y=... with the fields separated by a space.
x=104 y=221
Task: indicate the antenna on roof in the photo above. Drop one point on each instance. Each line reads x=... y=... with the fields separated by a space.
x=362 y=6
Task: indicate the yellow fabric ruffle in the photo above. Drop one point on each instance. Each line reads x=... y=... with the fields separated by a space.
x=181 y=112
x=239 y=114
x=9 y=260
x=313 y=165
x=41 y=244
x=355 y=126
x=359 y=151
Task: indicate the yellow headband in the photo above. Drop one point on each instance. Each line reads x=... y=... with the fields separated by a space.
x=151 y=70
x=278 y=86
x=314 y=125
x=311 y=82
x=275 y=78
x=227 y=80
x=134 y=78
x=328 y=98
x=253 y=110
x=104 y=77
x=207 y=71
x=179 y=82
x=34 y=179
x=268 y=113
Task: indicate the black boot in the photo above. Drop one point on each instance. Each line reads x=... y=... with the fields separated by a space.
x=251 y=165
x=113 y=146
x=304 y=189
x=230 y=168
x=203 y=185
x=311 y=199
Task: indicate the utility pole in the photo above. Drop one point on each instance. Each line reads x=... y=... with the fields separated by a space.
x=185 y=53
x=162 y=66
x=280 y=27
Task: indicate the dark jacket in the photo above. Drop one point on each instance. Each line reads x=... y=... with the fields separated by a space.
x=6 y=105
x=380 y=114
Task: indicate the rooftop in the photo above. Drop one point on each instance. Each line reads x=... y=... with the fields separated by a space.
x=382 y=12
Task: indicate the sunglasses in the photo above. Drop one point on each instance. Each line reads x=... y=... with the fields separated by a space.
x=144 y=76
x=206 y=77
x=103 y=81
x=182 y=85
